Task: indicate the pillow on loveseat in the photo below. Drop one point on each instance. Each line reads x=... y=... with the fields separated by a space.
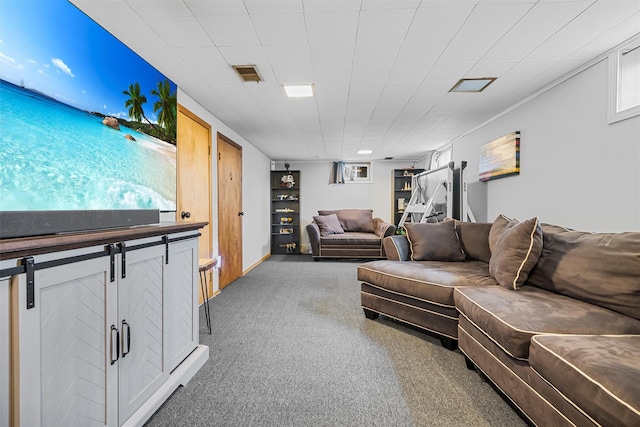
x=328 y=224
x=353 y=219
x=434 y=241
x=515 y=249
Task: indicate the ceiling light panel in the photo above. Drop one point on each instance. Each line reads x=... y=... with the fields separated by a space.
x=472 y=85
x=299 y=91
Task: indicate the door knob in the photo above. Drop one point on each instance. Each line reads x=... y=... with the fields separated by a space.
x=240 y=213
x=184 y=214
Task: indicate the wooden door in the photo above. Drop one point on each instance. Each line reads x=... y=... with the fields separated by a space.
x=194 y=178
x=229 y=210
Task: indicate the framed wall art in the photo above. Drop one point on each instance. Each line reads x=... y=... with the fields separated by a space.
x=500 y=158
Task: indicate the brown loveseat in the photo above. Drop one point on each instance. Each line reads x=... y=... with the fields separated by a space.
x=550 y=316
x=348 y=233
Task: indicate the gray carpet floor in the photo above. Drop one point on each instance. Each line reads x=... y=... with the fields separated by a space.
x=290 y=346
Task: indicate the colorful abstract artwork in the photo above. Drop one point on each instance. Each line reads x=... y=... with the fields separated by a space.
x=500 y=158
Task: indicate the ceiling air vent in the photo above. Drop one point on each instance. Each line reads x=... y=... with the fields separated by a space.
x=248 y=73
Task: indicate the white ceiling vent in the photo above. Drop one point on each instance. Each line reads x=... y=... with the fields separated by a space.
x=247 y=73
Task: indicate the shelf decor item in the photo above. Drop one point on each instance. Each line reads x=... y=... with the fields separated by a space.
x=285 y=211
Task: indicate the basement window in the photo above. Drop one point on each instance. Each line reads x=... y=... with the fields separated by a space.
x=357 y=172
x=624 y=82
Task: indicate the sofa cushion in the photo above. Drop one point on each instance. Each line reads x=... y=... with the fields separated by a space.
x=328 y=224
x=434 y=242
x=599 y=374
x=349 y=238
x=601 y=268
x=431 y=281
x=510 y=319
x=353 y=219
x=515 y=248
x=474 y=239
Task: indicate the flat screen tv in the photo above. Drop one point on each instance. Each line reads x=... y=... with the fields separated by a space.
x=87 y=124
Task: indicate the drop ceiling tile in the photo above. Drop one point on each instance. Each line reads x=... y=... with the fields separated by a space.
x=528 y=69
x=159 y=8
x=493 y=19
x=99 y=10
x=546 y=18
x=135 y=33
x=389 y=4
x=332 y=94
x=402 y=90
x=261 y=7
x=209 y=64
x=234 y=30
x=217 y=7
x=442 y=21
x=384 y=26
x=291 y=64
x=421 y=51
x=602 y=16
x=180 y=31
x=467 y=49
x=370 y=73
x=332 y=27
x=452 y=71
x=513 y=48
x=432 y=87
x=315 y=6
x=245 y=55
x=331 y=54
x=490 y=69
x=357 y=90
x=558 y=46
x=375 y=53
x=409 y=72
x=178 y=71
x=332 y=75
x=280 y=29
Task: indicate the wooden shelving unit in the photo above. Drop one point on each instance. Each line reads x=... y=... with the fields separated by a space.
x=285 y=212
x=401 y=190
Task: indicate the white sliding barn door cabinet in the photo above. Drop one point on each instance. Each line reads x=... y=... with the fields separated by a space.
x=105 y=334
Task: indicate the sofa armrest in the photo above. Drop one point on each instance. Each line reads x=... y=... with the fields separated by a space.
x=397 y=248
x=314 y=238
x=383 y=229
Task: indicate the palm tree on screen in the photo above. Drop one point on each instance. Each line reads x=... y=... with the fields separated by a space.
x=135 y=101
x=166 y=108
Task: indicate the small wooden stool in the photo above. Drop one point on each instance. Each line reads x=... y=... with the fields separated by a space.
x=204 y=265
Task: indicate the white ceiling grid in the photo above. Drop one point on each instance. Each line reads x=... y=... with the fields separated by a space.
x=382 y=68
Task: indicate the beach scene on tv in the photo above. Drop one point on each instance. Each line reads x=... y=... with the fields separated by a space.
x=86 y=123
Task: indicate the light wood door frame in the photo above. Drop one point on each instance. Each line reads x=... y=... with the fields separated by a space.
x=230 y=212
x=186 y=178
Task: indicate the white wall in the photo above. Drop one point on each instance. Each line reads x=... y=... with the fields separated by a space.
x=575 y=169
x=316 y=193
x=255 y=189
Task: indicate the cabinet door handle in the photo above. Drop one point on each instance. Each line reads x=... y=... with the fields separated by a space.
x=113 y=328
x=128 y=334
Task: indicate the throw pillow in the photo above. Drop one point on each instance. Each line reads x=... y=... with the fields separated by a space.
x=328 y=224
x=360 y=220
x=434 y=241
x=515 y=249
x=474 y=239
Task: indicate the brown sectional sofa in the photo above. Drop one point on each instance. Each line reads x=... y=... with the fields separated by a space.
x=561 y=341
x=348 y=233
